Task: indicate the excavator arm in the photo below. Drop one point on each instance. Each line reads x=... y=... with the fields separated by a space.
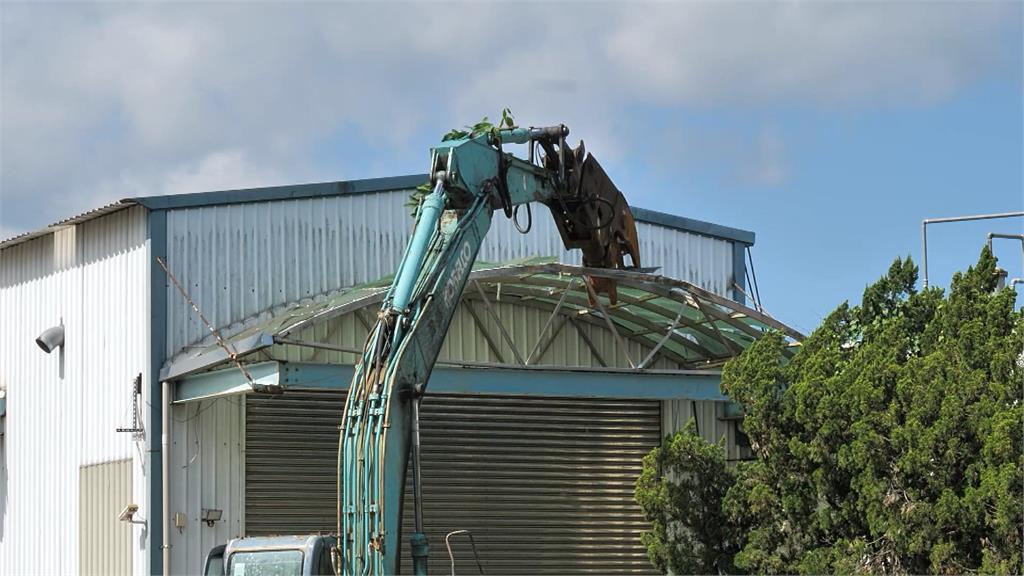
x=471 y=178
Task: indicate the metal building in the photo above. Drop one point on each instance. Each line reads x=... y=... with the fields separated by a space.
x=534 y=424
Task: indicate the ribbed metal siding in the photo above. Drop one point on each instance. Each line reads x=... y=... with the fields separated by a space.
x=713 y=428
x=104 y=542
x=701 y=260
x=207 y=471
x=546 y=485
x=240 y=260
x=63 y=412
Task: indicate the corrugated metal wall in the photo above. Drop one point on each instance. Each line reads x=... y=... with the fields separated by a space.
x=207 y=471
x=545 y=485
x=63 y=408
x=240 y=260
x=711 y=424
x=104 y=542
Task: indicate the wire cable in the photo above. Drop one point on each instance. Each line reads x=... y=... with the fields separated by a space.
x=529 y=218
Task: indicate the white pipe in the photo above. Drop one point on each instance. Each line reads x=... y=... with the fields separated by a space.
x=165 y=457
x=927 y=221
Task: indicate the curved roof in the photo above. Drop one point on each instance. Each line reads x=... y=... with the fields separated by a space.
x=670 y=317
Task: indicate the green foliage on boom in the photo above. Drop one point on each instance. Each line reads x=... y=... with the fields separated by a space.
x=484 y=126
x=892 y=442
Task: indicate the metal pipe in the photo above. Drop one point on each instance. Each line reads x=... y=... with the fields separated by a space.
x=1016 y=281
x=165 y=457
x=417 y=484
x=418 y=544
x=991 y=235
x=451 y=557
x=927 y=221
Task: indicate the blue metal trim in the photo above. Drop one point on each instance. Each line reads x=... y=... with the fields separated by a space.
x=595 y=384
x=365 y=186
x=157 y=226
x=550 y=382
x=528 y=382
x=695 y=226
x=739 y=271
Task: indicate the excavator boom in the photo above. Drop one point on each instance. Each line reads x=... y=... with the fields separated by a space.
x=471 y=178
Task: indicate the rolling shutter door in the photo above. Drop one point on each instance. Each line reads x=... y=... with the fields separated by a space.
x=544 y=485
x=291 y=462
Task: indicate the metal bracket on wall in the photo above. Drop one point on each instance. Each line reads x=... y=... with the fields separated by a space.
x=135 y=429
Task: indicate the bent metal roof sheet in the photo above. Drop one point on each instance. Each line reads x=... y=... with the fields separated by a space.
x=685 y=323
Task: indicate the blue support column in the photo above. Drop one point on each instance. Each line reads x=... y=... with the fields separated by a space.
x=739 y=271
x=158 y=343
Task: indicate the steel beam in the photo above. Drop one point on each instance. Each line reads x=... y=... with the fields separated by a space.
x=544 y=381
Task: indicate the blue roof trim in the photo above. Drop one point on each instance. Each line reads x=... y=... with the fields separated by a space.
x=695 y=226
x=366 y=186
x=371 y=185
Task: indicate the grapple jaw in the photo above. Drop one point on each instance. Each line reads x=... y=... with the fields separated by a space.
x=594 y=217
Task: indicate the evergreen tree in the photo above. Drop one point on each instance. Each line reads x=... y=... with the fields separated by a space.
x=893 y=442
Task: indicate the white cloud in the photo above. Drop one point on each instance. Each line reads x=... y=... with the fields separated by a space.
x=826 y=53
x=97 y=99
x=219 y=170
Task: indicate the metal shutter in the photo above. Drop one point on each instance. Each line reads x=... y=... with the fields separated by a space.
x=545 y=485
x=291 y=462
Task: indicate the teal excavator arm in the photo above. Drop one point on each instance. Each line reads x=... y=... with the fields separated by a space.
x=471 y=178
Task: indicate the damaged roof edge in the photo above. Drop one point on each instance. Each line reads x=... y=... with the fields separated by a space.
x=364 y=186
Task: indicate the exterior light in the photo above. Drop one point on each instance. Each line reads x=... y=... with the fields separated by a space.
x=211 y=515
x=128 y=515
x=51 y=338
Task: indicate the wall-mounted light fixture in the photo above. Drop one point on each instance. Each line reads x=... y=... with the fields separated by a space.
x=51 y=338
x=128 y=515
x=211 y=515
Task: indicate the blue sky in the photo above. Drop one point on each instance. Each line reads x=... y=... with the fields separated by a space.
x=829 y=129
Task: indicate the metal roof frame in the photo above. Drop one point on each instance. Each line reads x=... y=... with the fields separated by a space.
x=651 y=311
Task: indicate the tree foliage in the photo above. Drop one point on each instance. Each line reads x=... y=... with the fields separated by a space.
x=680 y=490
x=893 y=442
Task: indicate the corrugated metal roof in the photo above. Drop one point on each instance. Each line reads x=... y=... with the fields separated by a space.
x=71 y=221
